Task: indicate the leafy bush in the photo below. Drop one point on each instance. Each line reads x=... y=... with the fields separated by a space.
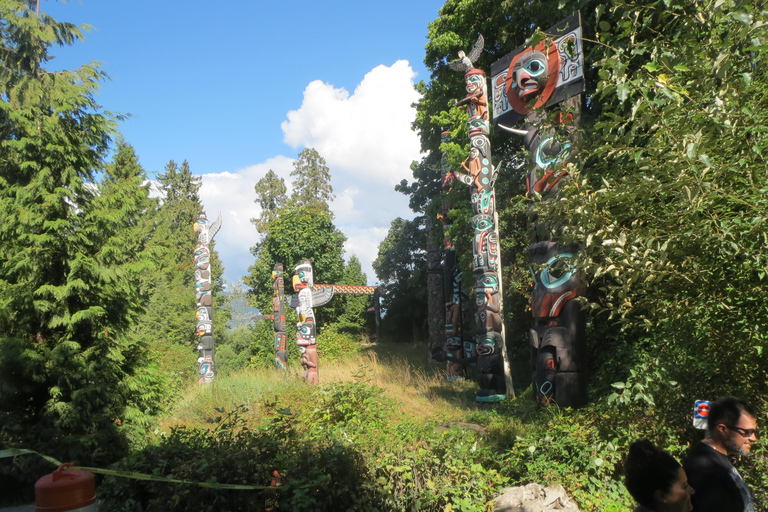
x=333 y=344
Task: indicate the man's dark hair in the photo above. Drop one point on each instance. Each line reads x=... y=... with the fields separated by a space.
x=649 y=470
x=727 y=410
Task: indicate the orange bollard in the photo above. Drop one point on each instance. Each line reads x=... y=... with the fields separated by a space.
x=65 y=491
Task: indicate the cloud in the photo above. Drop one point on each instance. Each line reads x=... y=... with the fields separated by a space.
x=232 y=194
x=367 y=142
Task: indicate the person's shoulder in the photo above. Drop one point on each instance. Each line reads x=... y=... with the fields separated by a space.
x=701 y=456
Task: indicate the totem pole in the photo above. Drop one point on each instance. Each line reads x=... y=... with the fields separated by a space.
x=494 y=375
x=458 y=350
x=526 y=83
x=309 y=296
x=206 y=367
x=278 y=318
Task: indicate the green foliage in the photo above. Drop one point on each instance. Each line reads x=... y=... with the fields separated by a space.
x=271 y=197
x=233 y=348
x=350 y=311
x=575 y=456
x=333 y=344
x=401 y=267
x=296 y=234
x=312 y=183
x=71 y=251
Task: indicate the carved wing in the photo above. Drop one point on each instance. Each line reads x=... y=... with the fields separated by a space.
x=214 y=228
x=477 y=49
x=458 y=65
x=293 y=301
x=322 y=296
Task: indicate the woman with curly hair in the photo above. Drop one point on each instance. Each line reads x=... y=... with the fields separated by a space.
x=656 y=480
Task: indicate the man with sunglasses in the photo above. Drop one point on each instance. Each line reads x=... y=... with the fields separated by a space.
x=719 y=487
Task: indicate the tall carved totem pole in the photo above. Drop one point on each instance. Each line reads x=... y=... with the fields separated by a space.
x=278 y=317
x=526 y=84
x=494 y=375
x=459 y=349
x=307 y=297
x=206 y=366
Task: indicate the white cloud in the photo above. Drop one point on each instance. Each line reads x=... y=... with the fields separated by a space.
x=232 y=194
x=367 y=142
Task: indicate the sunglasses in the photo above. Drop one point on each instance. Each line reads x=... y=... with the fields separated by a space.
x=743 y=432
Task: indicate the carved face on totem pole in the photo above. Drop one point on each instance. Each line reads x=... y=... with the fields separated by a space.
x=302 y=276
x=203 y=313
x=305 y=334
x=532 y=77
x=529 y=78
x=488 y=344
x=204 y=328
x=487 y=292
x=277 y=272
x=200 y=224
x=485 y=244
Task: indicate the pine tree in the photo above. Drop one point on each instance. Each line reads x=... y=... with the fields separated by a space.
x=171 y=306
x=271 y=197
x=68 y=283
x=312 y=183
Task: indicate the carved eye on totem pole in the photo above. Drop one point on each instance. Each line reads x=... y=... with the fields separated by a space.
x=485 y=285
x=550 y=152
x=202 y=261
x=558 y=270
x=305 y=333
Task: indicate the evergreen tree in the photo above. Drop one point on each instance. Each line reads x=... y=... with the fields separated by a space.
x=171 y=309
x=312 y=183
x=68 y=265
x=271 y=197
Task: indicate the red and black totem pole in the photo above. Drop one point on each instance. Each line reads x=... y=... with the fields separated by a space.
x=494 y=375
x=278 y=317
x=206 y=365
x=527 y=84
x=458 y=349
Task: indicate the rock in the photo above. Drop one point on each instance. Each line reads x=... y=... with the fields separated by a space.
x=534 y=498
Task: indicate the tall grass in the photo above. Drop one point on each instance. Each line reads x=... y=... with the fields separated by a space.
x=401 y=370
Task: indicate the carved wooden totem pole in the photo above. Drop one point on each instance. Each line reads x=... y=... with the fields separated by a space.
x=526 y=83
x=494 y=375
x=459 y=350
x=303 y=301
x=278 y=318
x=206 y=367
x=309 y=296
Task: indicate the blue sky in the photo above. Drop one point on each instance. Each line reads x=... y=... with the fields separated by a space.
x=240 y=88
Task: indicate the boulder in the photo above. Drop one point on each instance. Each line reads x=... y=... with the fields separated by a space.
x=534 y=498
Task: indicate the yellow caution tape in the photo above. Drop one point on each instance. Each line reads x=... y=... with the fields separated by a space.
x=13 y=452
